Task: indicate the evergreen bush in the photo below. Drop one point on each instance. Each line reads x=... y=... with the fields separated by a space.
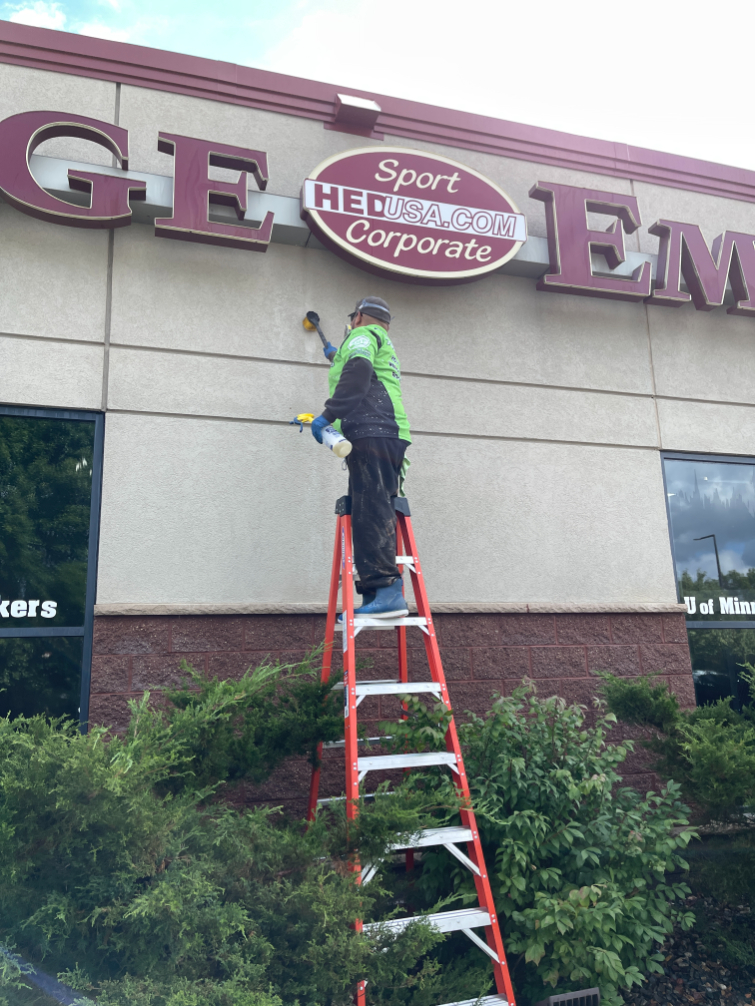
x=114 y=858
x=709 y=750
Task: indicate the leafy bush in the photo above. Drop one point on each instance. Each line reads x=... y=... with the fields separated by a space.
x=709 y=750
x=577 y=864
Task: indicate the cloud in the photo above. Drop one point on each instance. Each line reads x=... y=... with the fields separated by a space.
x=110 y=3
x=40 y=15
x=582 y=67
x=96 y=29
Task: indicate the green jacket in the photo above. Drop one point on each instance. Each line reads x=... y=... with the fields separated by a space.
x=365 y=387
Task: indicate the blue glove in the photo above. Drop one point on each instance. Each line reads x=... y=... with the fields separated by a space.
x=330 y=350
x=318 y=425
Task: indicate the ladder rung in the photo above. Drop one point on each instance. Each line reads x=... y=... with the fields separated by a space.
x=447 y=837
x=342 y=799
x=362 y=622
x=393 y=687
x=444 y=922
x=340 y=745
x=434 y=836
x=418 y=759
x=485 y=1001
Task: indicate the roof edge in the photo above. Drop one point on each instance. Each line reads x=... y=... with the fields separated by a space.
x=195 y=76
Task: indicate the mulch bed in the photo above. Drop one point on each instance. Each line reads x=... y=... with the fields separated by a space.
x=699 y=967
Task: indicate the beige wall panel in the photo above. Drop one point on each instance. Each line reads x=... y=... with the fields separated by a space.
x=704 y=427
x=508 y=521
x=485 y=409
x=701 y=354
x=503 y=328
x=183 y=384
x=258 y=499
x=713 y=214
x=179 y=295
x=53 y=278
x=495 y=521
x=25 y=90
x=55 y=374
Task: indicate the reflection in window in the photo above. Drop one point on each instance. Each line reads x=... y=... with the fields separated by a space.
x=717 y=659
x=41 y=675
x=45 y=497
x=712 y=512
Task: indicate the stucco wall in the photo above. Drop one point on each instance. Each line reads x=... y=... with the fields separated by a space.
x=538 y=419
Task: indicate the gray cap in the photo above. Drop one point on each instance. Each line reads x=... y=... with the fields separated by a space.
x=375 y=307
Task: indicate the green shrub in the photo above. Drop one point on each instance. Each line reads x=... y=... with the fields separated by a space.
x=709 y=750
x=232 y=730
x=114 y=855
x=577 y=864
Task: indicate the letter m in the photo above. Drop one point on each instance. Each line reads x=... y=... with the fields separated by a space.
x=727 y=605
x=504 y=225
x=684 y=254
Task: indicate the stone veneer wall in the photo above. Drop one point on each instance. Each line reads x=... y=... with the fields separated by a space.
x=482 y=654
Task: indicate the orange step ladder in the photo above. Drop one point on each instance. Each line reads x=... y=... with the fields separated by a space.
x=342 y=575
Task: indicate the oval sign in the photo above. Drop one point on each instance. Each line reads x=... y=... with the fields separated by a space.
x=412 y=215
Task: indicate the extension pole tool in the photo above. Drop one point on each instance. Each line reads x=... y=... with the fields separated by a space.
x=312 y=324
x=466 y=920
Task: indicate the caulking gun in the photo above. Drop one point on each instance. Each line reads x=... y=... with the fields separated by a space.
x=330 y=436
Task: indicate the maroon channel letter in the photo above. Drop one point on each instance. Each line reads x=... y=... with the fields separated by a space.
x=684 y=253
x=194 y=191
x=570 y=242
x=21 y=134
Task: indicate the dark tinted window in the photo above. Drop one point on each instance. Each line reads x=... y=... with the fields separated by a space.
x=46 y=490
x=41 y=675
x=45 y=500
x=718 y=656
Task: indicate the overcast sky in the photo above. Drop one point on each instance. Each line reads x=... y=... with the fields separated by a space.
x=655 y=73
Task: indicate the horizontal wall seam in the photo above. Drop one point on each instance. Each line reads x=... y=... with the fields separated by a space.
x=577 y=389
x=52 y=338
x=405 y=373
x=415 y=433
x=441 y=607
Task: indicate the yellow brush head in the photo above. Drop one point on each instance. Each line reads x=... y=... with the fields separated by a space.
x=305 y=417
x=308 y=325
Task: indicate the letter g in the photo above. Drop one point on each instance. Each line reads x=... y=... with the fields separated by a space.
x=21 y=134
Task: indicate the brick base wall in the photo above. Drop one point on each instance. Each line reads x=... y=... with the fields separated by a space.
x=482 y=654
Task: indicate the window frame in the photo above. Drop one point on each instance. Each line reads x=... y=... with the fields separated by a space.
x=87 y=629
x=731 y=459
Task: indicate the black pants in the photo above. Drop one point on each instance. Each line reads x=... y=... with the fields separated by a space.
x=374 y=465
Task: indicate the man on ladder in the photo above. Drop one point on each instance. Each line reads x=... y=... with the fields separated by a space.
x=365 y=403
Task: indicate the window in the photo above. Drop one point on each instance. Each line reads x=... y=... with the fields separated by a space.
x=711 y=510
x=50 y=474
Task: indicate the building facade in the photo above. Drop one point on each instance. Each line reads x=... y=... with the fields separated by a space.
x=565 y=420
